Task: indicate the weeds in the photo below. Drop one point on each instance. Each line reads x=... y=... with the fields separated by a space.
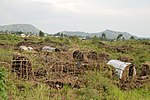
x=99 y=84
x=3 y=93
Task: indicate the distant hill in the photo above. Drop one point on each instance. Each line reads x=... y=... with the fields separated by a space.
x=76 y=33
x=109 y=34
x=26 y=28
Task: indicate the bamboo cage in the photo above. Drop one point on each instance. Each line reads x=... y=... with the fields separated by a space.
x=145 y=69
x=21 y=65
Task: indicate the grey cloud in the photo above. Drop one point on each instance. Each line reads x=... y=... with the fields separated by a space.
x=86 y=15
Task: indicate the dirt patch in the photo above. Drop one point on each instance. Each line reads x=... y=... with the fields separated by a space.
x=40 y=73
x=125 y=59
x=92 y=55
x=6 y=65
x=139 y=83
x=103 y=56
x=145 y=69
x=122 y=49
x=146 y=43
x=20 y=87
x=5 y=46
x=62 y=67
x=2 y=45
x=55 y=69
x=69 y=80
x=101 y=44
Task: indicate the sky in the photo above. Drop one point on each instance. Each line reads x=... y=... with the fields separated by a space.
x=52 y=16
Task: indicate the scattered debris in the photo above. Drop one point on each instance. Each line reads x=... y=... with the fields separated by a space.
x=30 y=48
x=25 y=48
x=63 y=69
x=23 y=35
x=50 y=49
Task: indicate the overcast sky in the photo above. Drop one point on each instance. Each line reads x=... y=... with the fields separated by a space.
x=51 y=16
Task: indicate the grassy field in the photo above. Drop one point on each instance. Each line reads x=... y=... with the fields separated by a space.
x=98 y=84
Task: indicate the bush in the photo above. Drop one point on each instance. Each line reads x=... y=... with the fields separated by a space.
x=3 y=93
x=9 y=38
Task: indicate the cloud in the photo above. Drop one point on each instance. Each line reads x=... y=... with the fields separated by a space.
x=85 y=15
x=81 y=7
x=62 y=5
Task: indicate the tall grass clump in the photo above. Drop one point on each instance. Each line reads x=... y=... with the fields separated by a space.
x=3 y=93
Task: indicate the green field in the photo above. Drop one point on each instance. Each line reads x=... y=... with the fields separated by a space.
x=97 y=84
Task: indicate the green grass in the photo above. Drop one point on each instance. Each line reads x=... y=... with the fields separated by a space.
x=9 y=38
x=3 y=92
x=100 y=85
x=98 y=88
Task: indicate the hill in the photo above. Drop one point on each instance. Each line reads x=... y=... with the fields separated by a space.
x=109 y=34
x=113 y=34
x=76 y=33
x=26 y=28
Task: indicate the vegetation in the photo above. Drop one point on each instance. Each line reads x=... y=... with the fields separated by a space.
x=41 y=34
x=103 y=36
x=9 y=38
x=119 y=36
x=3 y=92
x=99 y=84
x=132 y=37
x=95 y=39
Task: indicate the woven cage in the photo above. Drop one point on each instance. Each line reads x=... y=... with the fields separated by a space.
x=21 y=65
x=129 y=73
x=145 y=69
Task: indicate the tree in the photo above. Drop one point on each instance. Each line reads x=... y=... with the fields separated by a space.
x=132 y=38
x=41 y=34
x=103 y=36
x=20 y=32
x=58 y=34
x=87 y=37
x=119 y=36
x=123 y=38
x=61 y=35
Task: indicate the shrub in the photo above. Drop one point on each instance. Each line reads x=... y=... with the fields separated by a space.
x=3 y=93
